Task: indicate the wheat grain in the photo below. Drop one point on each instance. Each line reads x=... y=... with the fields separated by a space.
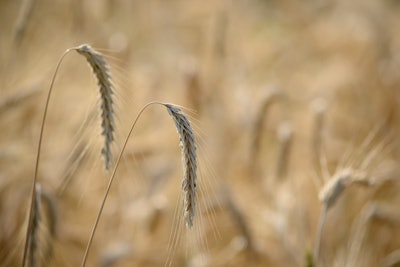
x=189 y=160
x=101 y=69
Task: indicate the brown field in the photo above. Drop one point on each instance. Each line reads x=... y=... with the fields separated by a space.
x=296 y=110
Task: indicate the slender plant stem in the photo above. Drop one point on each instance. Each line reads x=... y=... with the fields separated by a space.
x=33 y=192
x=110 y=183
x=321 y=223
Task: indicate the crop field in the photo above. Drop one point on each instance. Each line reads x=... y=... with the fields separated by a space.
x=200 y=133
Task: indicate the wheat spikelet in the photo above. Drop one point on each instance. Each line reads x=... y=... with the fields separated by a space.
x=189 y=160
x=101 y=70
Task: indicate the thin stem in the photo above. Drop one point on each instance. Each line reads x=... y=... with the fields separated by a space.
x=33 y=192
x=110 y=183
x=321 y=223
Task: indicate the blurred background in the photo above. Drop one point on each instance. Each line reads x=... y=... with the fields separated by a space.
x=285 y=96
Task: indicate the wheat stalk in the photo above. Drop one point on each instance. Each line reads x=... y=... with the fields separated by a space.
x=34 y=181
x=270 y=96
x=189 y=161
x=101 y=69
x=360 y=229
x=33 y=240
x=318 y=107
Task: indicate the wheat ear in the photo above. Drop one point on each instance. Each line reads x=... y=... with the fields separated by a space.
x=42 y=231
x=331 y=192
x=189 y=161
x=101 y=69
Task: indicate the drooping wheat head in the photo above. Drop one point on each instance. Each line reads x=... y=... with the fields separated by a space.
x=189 y=161
x=101 y=69
x=330 y=193
x=333 y=189
x=40 y=247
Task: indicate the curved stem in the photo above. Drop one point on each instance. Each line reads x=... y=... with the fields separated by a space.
x=110 y=183
x=33 y=192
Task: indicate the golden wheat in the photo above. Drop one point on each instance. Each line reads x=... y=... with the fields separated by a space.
x=101 y=69
x=189 y=160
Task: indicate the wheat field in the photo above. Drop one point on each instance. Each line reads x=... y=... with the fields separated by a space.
x=267 y=133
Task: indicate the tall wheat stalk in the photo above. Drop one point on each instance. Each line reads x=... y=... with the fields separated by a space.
x=101 y=70
x=271 y=95
x=189 y=160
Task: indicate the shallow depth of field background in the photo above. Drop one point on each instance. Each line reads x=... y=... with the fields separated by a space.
x=335 y=62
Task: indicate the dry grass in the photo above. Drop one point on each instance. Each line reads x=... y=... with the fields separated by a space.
x=214 y=58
